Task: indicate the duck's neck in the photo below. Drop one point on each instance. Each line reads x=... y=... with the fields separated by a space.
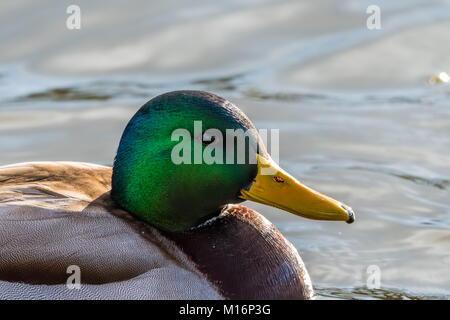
x=245 y=256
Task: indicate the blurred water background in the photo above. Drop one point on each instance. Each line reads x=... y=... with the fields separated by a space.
x=358 y=118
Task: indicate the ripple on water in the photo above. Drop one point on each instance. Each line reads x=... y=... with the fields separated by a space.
x=363 y=293
x=439 y=183
x=65 y=94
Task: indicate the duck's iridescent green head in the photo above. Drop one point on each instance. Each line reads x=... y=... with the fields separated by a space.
x=148 y=183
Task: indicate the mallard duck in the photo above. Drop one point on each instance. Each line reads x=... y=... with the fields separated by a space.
x=150 y=228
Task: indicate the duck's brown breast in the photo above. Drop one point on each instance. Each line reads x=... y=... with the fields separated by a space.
x=246 y=257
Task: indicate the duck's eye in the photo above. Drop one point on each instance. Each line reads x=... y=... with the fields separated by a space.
x=207 y=139
x=278 y=179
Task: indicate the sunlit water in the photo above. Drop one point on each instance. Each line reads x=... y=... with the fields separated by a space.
x=358 y=119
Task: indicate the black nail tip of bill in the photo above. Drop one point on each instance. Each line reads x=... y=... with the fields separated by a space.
x=351 y=214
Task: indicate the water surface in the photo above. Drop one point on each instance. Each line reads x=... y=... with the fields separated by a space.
x=358 y=119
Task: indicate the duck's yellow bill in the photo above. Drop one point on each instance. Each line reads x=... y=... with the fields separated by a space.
x=275 y=187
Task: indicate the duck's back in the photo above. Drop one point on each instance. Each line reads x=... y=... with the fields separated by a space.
x=59 y=214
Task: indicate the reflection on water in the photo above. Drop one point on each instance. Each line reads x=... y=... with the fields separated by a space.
x=358 y=118
x=221 y=83
x=362 y=293
x=281 y=96
x=65 y=94
x=435 y=182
